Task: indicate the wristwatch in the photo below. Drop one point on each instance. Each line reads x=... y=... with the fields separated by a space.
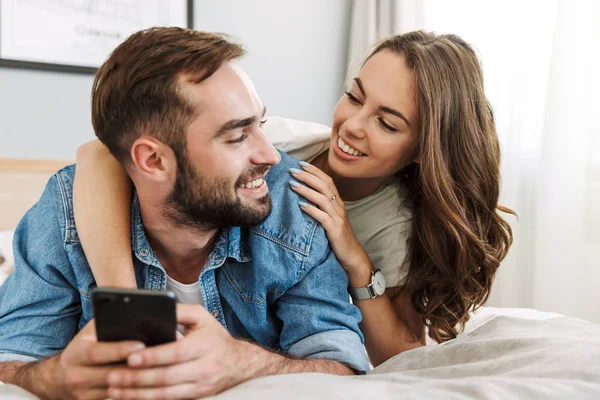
x=374 y=289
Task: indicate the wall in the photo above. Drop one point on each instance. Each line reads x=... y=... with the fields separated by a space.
x=297 y=53
x=297 y=50
x=43 y=114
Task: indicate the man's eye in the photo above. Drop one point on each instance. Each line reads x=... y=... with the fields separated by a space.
x=240 y=139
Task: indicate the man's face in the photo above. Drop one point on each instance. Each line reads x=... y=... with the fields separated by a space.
x=219 y=180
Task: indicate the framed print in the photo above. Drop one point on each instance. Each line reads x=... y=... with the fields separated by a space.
x=78 y=35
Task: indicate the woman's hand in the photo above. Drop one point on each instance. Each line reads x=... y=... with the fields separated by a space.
x=331 y=213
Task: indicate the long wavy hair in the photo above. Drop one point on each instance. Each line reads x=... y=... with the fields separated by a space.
x=458 y=237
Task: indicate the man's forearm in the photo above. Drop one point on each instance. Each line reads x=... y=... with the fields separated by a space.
x=264 y=363
x=37 y=377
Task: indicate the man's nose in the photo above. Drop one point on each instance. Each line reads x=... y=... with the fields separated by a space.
x=266 y=153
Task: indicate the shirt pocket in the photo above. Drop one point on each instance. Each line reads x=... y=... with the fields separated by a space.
x=250 y=286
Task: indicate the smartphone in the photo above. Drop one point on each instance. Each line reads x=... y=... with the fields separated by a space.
x=134 y=314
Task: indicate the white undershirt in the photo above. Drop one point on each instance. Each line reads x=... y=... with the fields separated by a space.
x=186 y=294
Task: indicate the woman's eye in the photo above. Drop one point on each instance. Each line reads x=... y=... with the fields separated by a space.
x=240 y=139
x=262 y=122
x=385 y=126
x=351 y=98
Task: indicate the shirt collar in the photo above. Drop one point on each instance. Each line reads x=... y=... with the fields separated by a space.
x=232 y=242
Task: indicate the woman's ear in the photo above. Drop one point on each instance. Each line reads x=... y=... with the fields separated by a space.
x=152 y=158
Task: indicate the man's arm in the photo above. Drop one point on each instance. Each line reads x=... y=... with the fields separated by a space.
x=39 y=377
x=80 y=371
x=41 y=307
x=205 y=362
x=265 y=363
x=318 y=320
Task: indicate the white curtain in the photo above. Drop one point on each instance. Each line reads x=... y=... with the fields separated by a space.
x=541 y=62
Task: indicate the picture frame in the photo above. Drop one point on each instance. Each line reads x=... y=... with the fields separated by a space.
x=77 y=35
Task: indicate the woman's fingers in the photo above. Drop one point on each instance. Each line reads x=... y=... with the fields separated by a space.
x=318 y=173
x=322 y=184
x=320 y=216
x=311 y=169
x=313 y=181
x=322 y=192
x=315 y=197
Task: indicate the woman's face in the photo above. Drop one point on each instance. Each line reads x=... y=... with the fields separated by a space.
x=376 y=123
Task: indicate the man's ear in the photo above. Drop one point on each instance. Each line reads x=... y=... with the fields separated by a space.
x=152 y=158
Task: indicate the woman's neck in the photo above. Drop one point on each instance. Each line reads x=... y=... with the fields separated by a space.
x=350 y=189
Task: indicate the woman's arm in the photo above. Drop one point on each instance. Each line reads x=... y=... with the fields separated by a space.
x=404 y=309
x=102 y=204
x=390 y=323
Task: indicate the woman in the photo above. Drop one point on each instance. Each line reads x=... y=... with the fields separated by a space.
x=409 y=184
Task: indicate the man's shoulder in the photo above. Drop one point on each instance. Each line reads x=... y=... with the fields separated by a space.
x=287 y=225
x=281 y=171
x=64 y=179
x=66 y=172
x=62 y=191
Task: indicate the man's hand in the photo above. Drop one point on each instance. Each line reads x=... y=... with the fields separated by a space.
x=206 y=361
x=79 y=372
x=84 y=365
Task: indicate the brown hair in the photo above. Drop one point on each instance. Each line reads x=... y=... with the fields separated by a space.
x=458 y=238
x=136 y=89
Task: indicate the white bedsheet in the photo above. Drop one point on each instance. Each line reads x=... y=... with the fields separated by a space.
x=11 y=392
x=503 y=354
x=485 y=314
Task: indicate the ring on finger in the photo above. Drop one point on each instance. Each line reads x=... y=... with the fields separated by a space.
x=333 y=198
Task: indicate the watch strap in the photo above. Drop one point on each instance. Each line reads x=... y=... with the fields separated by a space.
x=362 y=293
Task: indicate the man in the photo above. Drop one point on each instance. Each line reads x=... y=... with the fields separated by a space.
x=184 y=121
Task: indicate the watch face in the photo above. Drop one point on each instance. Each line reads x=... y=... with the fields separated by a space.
x=378 y=283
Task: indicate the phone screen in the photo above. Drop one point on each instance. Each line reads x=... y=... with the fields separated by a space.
x=145 y=315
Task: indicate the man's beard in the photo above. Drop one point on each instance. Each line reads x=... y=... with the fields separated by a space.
x=203 y=203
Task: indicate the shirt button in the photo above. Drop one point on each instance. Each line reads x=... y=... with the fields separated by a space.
x=215 y=313
x=144 y=252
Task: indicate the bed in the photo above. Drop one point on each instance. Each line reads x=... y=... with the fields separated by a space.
x=503 y=353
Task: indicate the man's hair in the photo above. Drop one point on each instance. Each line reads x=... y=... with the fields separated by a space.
x=136 y=91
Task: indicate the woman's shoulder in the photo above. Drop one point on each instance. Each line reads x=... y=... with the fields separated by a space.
x=387 y=203
x=382 y=224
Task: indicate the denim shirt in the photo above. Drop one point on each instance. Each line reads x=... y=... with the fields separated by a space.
x=277 y=284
